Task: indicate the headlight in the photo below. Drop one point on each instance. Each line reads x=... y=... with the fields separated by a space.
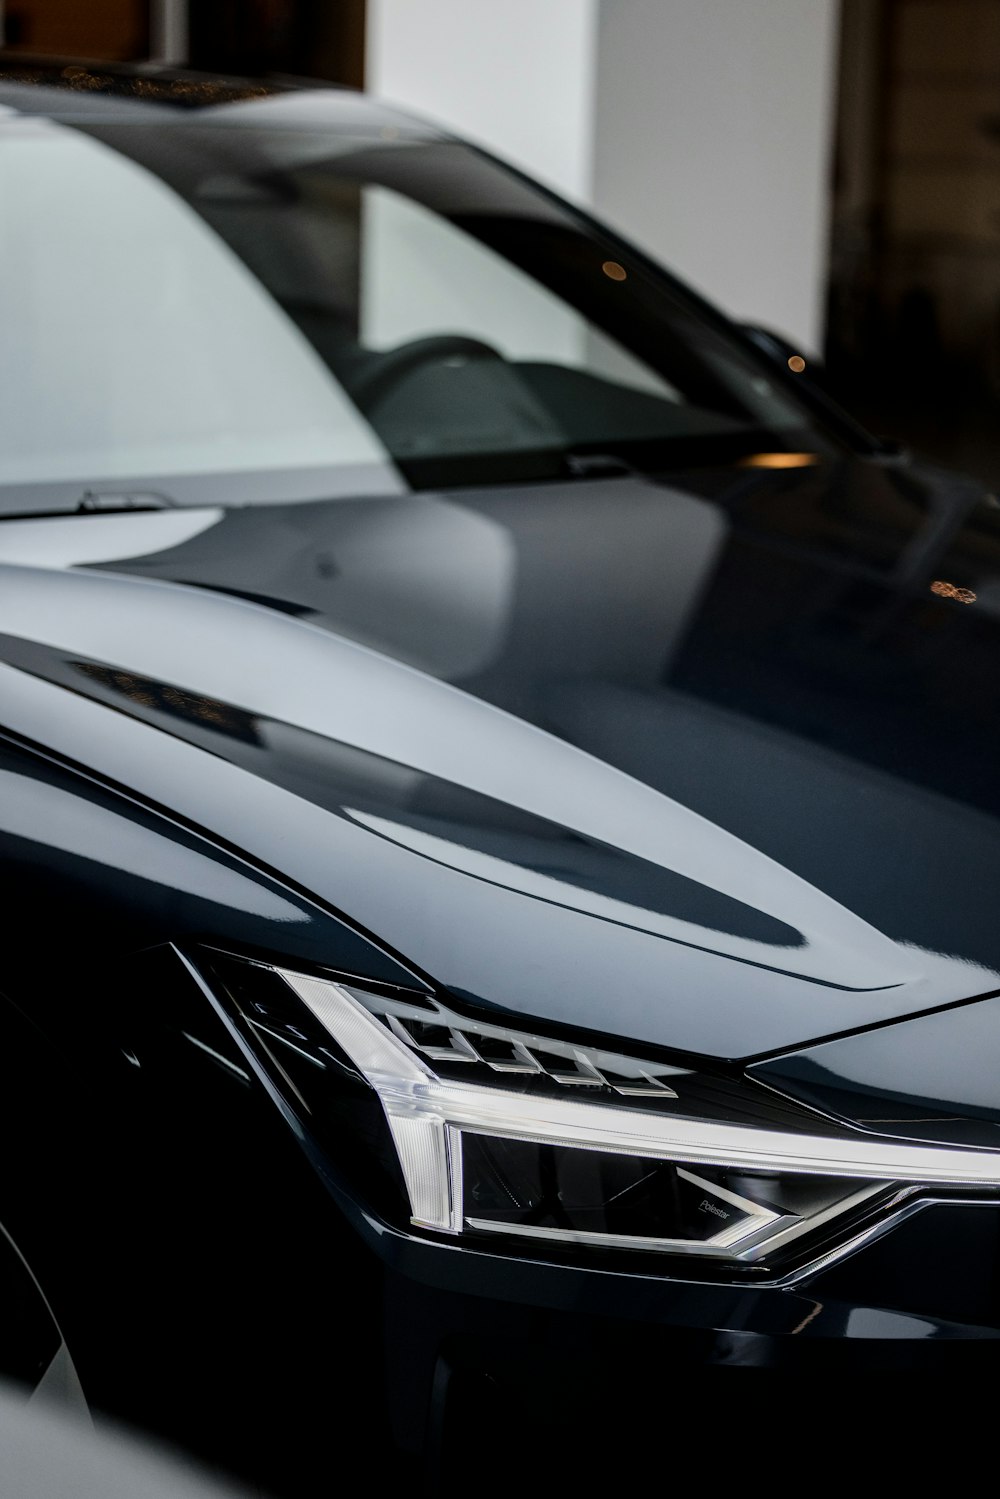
x=501 y=1133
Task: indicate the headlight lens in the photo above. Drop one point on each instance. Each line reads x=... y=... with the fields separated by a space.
x=499 y=1133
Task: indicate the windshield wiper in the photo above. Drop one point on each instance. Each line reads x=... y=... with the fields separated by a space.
x=107 y=502
x=597 y=465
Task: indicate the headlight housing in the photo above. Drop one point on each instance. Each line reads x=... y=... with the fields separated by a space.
x=502 y=1135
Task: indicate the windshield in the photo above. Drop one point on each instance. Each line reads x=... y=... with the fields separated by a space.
x=246 y=291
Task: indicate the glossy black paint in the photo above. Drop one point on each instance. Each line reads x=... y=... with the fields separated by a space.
x=93 y=855
x=698 y=761
x=932 y=1078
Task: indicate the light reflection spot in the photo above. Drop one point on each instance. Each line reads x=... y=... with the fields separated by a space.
x=949 y=591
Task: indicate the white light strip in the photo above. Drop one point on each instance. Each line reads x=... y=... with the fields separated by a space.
x=422 y=1147
x=701 y=1141
x=707 y=1248
x=406 y=1085
x=368 y=1044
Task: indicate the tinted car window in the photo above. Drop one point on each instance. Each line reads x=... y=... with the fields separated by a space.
x=411 y=303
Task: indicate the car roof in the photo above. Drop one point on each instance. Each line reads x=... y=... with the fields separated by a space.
x=67 y=89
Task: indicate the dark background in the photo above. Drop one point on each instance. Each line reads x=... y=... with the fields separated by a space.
x=310 y=38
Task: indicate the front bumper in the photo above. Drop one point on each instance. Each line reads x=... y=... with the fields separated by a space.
x=561 y=1362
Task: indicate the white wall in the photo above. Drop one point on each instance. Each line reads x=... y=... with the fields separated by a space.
x=712 y=146
x=514 y=75
x=702 y=128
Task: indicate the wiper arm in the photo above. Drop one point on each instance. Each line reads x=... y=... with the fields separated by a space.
x=597 y=465
x=108 y=502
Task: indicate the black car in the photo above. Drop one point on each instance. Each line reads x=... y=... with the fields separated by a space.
x=500 y=814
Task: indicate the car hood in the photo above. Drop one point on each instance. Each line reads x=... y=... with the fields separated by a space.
x=708 y=765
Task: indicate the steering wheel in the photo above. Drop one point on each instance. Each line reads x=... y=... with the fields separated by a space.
x=382 y=372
